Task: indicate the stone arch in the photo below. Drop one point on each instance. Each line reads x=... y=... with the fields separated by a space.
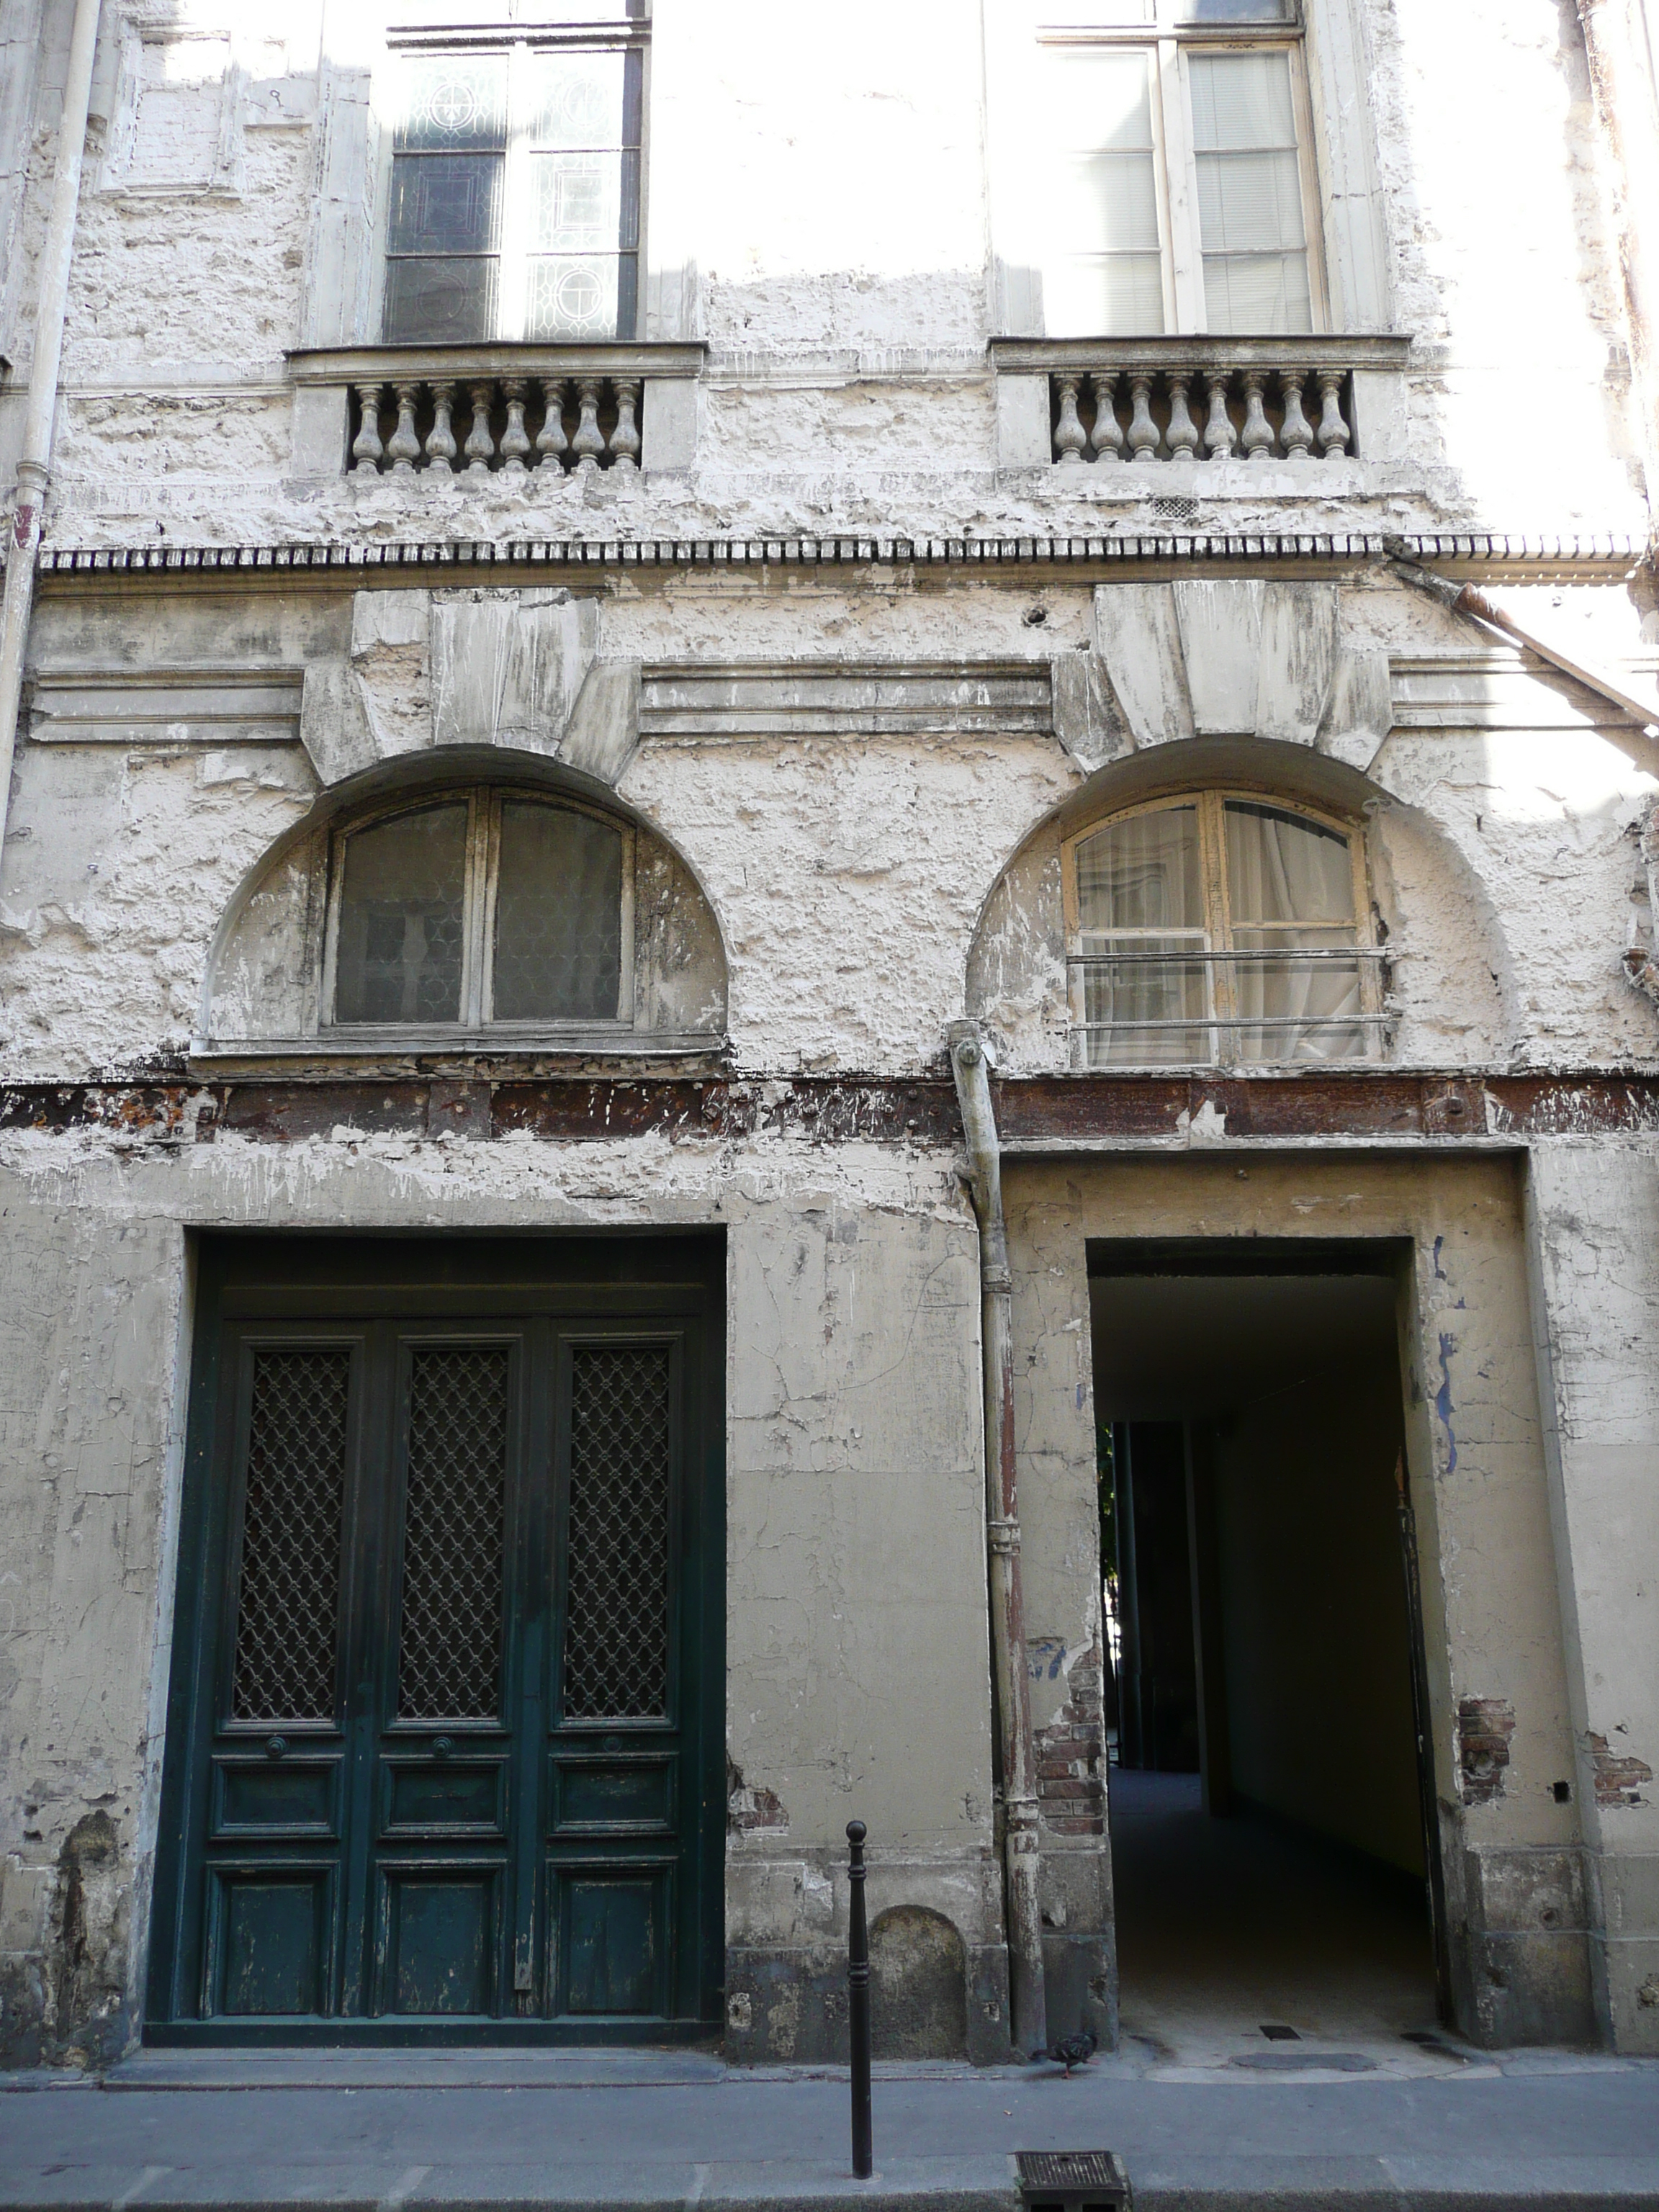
x=261 y=991
x=918 y=1984
x=1428 y=898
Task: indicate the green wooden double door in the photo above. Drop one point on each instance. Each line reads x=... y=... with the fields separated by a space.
x=445 y=1747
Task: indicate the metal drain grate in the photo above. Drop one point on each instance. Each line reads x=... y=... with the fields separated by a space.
x=1073 y=2181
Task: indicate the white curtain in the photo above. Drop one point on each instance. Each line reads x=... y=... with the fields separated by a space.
x=1141 y=892
x=1289 y=888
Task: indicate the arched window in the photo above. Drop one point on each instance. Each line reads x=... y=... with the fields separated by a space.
x=1216 y=928
x=480 y=908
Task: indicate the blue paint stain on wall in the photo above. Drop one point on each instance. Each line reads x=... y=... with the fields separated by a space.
x=1439 y=1271
x=1443 y=1398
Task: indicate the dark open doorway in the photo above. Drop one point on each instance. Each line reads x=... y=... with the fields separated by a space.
x=1271 y=1859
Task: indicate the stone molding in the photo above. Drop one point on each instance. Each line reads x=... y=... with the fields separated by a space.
x=168 y=707
x=391 y=364
x=755 y=699
x=1044 y=356
x=1599 y=559
x=1226 y=657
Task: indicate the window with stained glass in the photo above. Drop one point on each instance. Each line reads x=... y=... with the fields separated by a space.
x=1183 y=195
x=1220 y=928
x=484 y=907
x=515 y=200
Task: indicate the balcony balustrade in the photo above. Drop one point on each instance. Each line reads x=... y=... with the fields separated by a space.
x=1141 y=401
x=497 y=412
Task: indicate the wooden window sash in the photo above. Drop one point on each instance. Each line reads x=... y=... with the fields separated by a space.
x=1221 y=992
x=1167 y=45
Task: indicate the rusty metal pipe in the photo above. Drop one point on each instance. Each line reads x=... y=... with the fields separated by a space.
x=1015 y=1743
x=1466 y=599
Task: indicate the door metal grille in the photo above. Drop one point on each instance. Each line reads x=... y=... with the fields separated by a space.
x=289 y=1592
x=616 y=1643
x=449 y=1663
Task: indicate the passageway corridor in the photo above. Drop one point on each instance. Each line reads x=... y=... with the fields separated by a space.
x=1268 y=1842
x=1225 y=1926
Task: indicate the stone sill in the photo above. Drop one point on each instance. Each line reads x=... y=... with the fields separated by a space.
x=358 y=1053
x=1194 y=353
x=599 y=357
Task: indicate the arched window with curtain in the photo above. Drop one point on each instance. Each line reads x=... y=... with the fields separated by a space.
x=480 y=908
x=1218 y=928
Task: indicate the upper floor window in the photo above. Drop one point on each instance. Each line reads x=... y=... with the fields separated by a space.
x=514 y=203
x=1218 y=929
x=1183 y=196
x=481 y=907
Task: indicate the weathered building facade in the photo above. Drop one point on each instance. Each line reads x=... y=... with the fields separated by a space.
x=719 y=738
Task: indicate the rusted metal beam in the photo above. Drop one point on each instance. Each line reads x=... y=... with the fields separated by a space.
x=1050 y=1112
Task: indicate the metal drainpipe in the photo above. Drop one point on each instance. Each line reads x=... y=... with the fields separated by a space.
x=1029 y=2029
x=1465 y=599
x=1639 y=962
x=35 y=465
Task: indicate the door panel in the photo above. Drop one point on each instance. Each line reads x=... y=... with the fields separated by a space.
x=270 y=1947
x=441 y=1939
x=634 y=1796
x=445 y=1750
x=612 y=1931
x=618 y=1623
x=455 y=1532
x=284 y=1661
x=258 y=1798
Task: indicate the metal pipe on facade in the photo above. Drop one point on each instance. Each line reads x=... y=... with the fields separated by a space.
x=1465 y=599
x=34 y=464
x=1015 y=1744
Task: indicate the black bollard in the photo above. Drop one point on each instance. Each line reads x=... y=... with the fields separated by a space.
x=858 y=2004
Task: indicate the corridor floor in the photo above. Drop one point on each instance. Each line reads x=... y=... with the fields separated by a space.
x=1225 y=1926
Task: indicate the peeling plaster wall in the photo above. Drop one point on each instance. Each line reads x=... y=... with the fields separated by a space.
x=838 y=256
x=859 y=1666
x=849 y=874
x=1594 y=1225
x=840 y=264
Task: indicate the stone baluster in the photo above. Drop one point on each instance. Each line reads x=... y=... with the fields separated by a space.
x=1257 y=437
x=366 y=446
x=480 y=446
x=1143 y=431
x=625 y=438
x=515 y=439
x=441 y=439
x=589 y=442
x=550 y=440
x=1333 y=432
x=1298 y=431
x=1218 y=425
x=1070 y=439
x=403 y=446
x=1108 y=436
x=1183 y=431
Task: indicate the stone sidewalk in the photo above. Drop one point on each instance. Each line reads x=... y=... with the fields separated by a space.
x=639 y=2130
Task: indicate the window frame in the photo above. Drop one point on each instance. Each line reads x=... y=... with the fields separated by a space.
x=1168 y=45
x=479 y=890
x=1210 y=802
x=629 y=35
